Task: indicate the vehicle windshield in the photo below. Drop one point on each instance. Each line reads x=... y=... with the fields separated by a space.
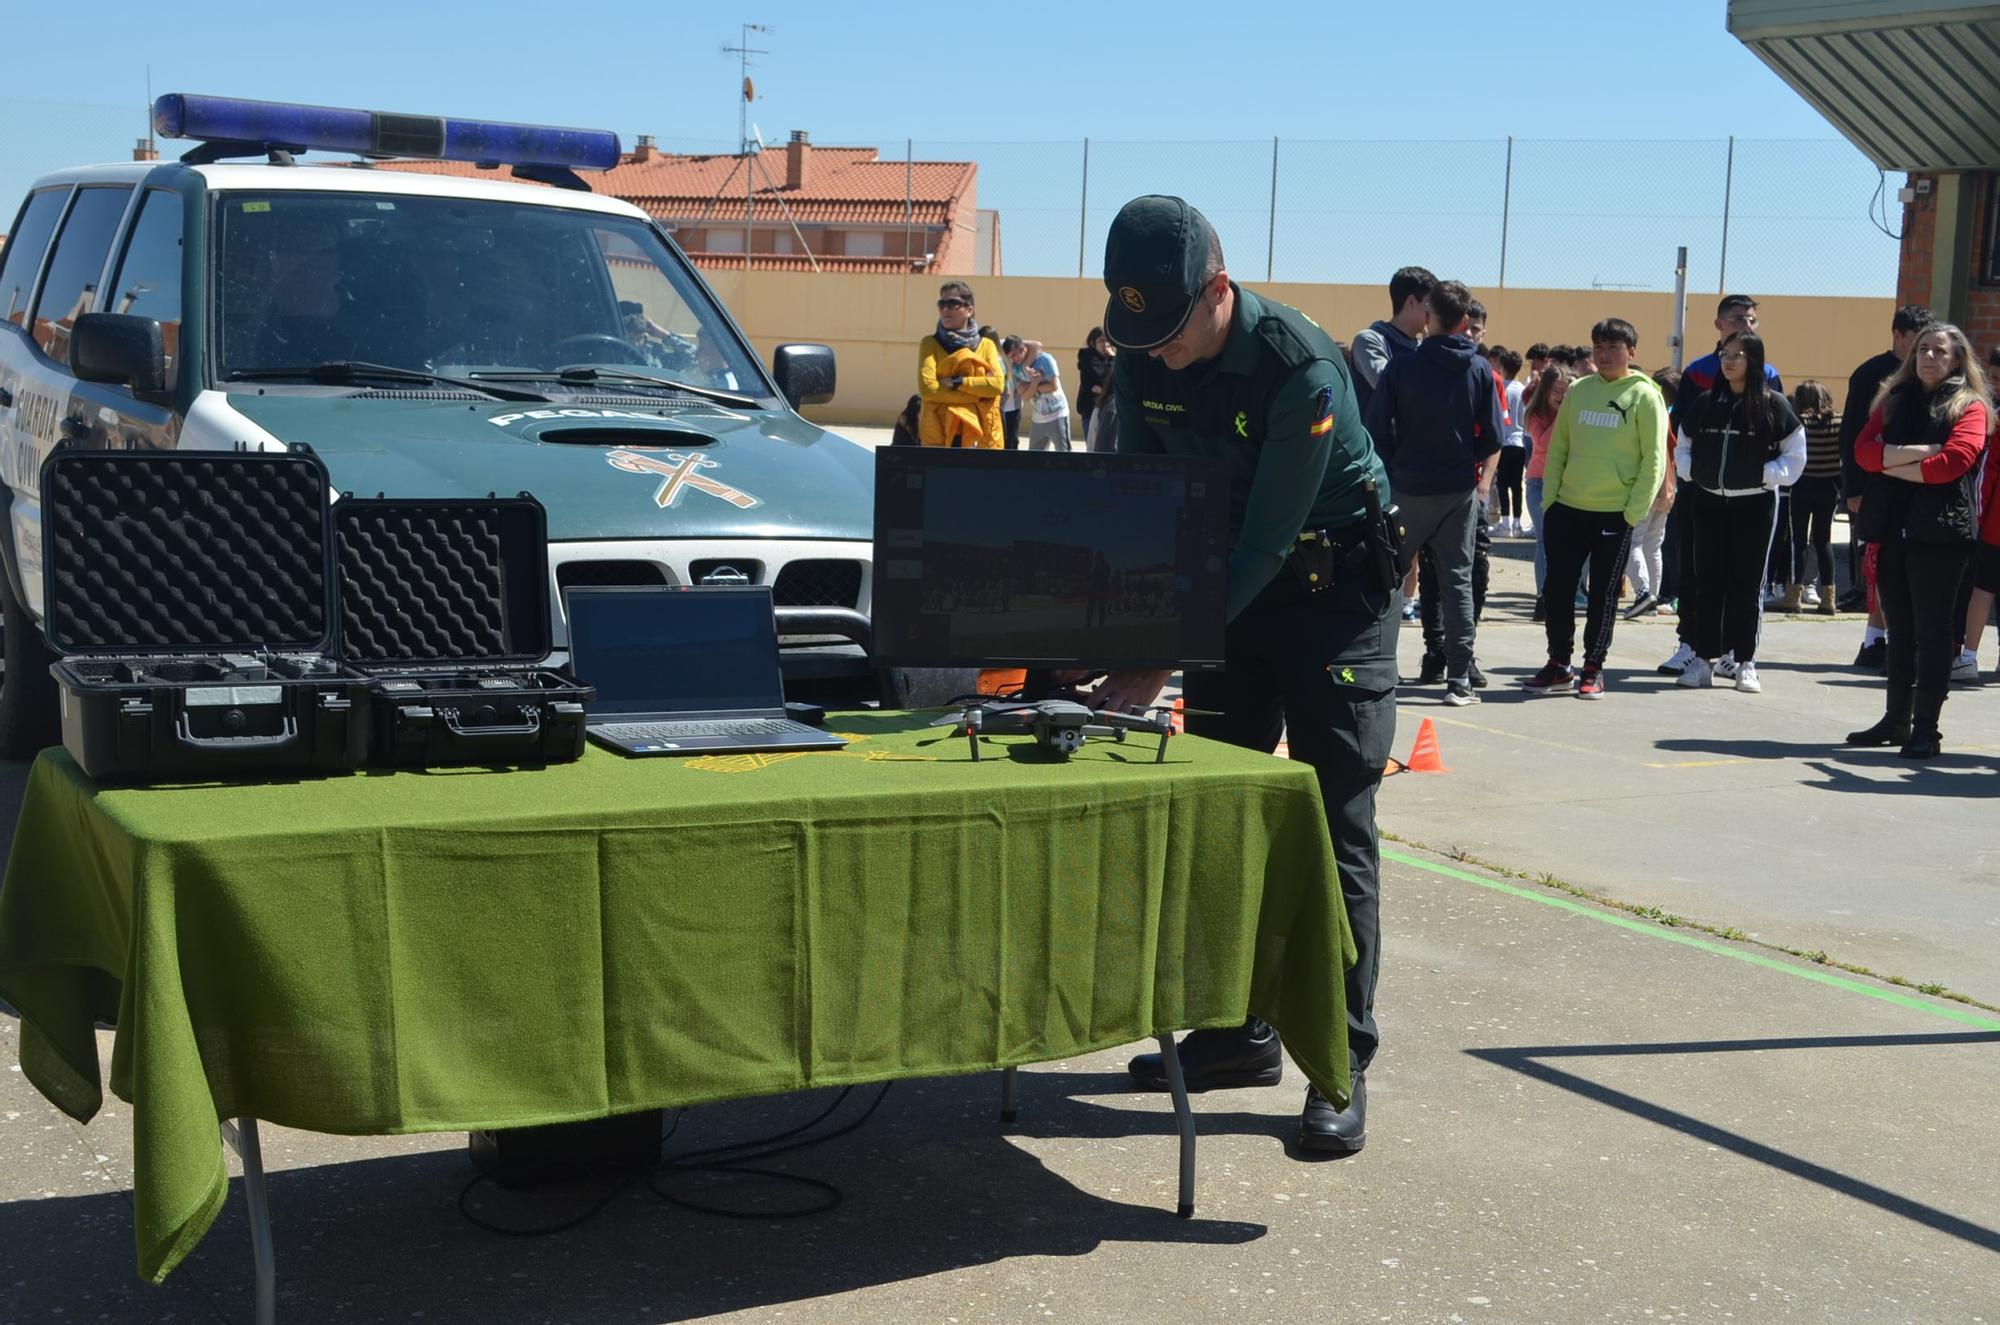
x=458 y=286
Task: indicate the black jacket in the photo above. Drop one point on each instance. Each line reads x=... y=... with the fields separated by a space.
x=1861 y=389
x=1894 y=510
x=1724 y=450
x=1435 y=415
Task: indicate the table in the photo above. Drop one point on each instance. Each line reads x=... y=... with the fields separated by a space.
x=467 y=948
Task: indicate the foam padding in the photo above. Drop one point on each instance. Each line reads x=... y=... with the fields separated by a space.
x=442 y=581
x=185 y=550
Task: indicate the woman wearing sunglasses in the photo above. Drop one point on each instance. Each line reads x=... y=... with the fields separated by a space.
x=960 y=377
x=1920 y=450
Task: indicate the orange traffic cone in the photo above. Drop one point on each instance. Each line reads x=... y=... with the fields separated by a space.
x=1424 y=757
x=1180 y=707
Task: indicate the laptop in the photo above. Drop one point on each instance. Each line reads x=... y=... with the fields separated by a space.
x=683 y=670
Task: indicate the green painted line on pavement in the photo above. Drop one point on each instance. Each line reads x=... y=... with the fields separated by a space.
x=1655 y=931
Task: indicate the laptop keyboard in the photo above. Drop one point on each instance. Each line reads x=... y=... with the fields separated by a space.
x=674 y=731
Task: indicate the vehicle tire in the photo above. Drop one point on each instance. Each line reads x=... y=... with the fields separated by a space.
x=29 y=717
x=929 y=687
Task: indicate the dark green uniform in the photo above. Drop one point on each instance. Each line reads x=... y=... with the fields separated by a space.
x=1317 y=666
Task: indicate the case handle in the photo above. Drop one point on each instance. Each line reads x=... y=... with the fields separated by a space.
x=184 y=734
x=531 y=725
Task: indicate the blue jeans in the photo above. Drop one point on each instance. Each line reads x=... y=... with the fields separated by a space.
x=1541 y=549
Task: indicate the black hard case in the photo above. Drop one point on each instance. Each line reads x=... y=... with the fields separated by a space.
x=190 y=594
x=446 y=605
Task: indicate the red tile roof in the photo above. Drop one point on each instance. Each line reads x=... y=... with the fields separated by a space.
x=844 y=186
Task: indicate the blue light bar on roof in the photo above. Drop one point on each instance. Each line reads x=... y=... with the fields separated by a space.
x=380 y=133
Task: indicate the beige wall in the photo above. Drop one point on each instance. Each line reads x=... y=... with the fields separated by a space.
x=873 y=324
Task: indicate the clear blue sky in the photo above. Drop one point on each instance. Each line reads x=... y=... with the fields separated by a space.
x=1048 y=75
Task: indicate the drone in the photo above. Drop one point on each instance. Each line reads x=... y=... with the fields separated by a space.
x=1059 y=726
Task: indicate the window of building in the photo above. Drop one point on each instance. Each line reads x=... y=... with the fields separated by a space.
x=70 y=289
x=149 y=276
x=724 y=241
x=866 y=244
x=22 y=257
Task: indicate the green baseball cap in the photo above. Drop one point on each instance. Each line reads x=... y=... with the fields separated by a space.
x=1152 y=266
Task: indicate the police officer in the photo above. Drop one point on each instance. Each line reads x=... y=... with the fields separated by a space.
x=1211 y=369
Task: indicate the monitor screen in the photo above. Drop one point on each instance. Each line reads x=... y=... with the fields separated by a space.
x=672 y=649
x=1034 y=558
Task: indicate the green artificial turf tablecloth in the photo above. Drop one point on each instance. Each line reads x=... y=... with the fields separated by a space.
x=468 y=948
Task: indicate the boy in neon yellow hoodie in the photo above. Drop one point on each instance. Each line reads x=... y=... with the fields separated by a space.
x=1607 y=458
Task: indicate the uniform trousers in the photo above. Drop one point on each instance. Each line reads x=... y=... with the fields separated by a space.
x=1285 y=659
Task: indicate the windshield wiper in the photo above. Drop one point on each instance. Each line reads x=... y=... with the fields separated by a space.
x=584 y=374
x=349 y=370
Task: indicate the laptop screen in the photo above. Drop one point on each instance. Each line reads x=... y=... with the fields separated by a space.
x=668 y=649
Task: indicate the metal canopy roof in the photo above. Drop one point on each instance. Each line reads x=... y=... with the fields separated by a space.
x=1915 y=86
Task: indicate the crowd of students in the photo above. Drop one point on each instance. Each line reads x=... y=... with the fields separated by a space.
x=1708 y=492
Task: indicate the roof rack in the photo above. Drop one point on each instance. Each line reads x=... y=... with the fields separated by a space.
x=228 y=127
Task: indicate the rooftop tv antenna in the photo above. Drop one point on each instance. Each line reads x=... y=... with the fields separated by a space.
x=743 y=50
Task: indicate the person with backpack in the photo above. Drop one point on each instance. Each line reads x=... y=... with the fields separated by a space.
x=1740 y=445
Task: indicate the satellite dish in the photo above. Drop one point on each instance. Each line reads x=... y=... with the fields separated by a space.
x=749 y=89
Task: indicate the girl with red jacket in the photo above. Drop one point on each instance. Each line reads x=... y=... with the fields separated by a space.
x=1921 y=450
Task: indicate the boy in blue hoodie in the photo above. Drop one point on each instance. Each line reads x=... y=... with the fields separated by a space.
x=1436 y=420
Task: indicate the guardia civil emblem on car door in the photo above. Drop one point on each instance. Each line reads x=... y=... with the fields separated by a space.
x=679 y=472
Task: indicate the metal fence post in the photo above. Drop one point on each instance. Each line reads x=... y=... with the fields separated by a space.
x=1680 y=305
x=1506 y=208
x=1271 y=239
x=1083 y=212
x=1728 y=188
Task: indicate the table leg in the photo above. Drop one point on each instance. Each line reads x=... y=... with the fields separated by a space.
x=242 y=1136
x=1184 y=1120
x=1009 y=1098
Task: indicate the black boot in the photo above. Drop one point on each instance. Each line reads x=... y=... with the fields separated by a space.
x=1894 y=729
x=1924 y=739
x=1246 y=1055
x=1341 y=1131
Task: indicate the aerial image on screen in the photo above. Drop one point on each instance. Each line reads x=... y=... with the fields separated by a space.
x=1028 y=558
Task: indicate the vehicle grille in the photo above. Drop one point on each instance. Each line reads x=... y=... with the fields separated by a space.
x=608 y=573
x=818 y=584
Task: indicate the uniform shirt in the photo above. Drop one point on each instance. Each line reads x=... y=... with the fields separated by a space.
x=1278 y=405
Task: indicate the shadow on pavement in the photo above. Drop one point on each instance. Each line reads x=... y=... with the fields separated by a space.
x=1532 y=1062
x=932 y=1185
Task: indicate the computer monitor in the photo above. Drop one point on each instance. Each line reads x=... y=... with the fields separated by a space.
x=1049 y=559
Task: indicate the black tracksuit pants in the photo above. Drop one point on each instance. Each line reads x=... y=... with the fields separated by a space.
x=1285 y=657
x=1572 y=537
x=1732 y=544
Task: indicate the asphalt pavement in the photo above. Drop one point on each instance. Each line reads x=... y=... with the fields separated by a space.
x=1581 y=1112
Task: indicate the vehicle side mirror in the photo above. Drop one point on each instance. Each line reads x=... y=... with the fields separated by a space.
x=120 y=349
x=804 y=374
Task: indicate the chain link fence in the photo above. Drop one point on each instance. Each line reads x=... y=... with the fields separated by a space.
x=1769 y=216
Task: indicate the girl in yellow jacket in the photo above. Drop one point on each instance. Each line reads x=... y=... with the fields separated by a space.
x=960 y=377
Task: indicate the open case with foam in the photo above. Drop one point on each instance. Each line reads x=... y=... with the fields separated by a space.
x=190 y=596
x=445 y=603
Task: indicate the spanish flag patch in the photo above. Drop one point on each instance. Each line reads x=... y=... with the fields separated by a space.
x=1323 y=398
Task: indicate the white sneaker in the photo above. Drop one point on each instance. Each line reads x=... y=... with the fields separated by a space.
x=1811 y=596
x=1697 y=674
x=1725 y=666
x=1677 y=665
x=1746 y=679
x=1966 y=668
